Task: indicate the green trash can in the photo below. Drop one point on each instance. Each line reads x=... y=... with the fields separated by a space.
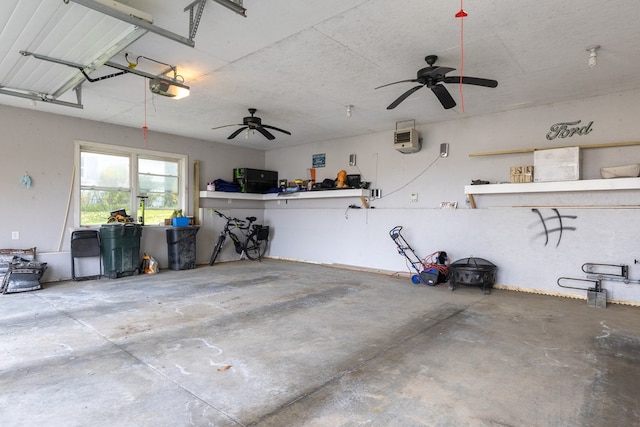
x=120 y=244
x=181 y=245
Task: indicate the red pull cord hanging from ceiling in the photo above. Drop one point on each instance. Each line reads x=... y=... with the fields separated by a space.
x=145 y=129
x=461 y=15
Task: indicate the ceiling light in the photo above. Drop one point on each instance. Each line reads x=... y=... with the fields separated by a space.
x=593 y=55
x=168 y=87
x=236 y=6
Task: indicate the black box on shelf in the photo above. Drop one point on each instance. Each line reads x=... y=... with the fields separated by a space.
x=255 y=180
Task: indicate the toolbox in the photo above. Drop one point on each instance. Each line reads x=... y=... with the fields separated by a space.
x=255 y=180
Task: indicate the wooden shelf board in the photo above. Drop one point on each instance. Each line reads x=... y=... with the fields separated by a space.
x=328 y=194
x=557 y=186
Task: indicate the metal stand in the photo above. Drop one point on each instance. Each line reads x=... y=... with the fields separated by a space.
x=596 y=273
x=143 y=202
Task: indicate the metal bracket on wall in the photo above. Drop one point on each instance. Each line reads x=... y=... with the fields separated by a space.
x=196 y=15
x=43 y=97
x=102 y=8
x=596 y=274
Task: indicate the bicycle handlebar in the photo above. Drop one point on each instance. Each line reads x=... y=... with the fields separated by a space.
x=240 y=223
x=220 y=214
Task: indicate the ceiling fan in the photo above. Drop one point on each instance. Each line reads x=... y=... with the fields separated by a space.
x=432 y=77
x=254 y=123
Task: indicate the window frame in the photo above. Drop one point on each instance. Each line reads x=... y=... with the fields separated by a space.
x=133 y=154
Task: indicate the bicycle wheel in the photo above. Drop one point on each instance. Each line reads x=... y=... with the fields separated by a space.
x=216 y=249
x=255 y=249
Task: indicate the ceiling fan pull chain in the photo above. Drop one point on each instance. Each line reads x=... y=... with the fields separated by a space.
x=461 y=14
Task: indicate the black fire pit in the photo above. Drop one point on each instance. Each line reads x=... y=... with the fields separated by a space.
x=472 y=271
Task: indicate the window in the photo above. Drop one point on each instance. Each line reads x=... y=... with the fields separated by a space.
x=115 y=178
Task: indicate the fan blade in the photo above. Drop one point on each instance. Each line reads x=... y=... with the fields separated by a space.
x=226 y=126
x=440 y=71
x=402 y=97
x=265 y=132
x=236 y=133
x=278 y=129
x=401 y=81
x=471 y=81
x=443 y=96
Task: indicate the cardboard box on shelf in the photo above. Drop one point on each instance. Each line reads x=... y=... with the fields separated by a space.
x=521 y=174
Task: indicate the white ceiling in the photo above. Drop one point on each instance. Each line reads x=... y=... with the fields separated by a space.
x=300 y=63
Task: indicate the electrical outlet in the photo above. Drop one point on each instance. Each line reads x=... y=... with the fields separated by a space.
x=15 y=235
x=413 y=197
x=376 y=193
x=352 y=159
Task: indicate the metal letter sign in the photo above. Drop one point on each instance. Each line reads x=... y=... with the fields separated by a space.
x=562 y=130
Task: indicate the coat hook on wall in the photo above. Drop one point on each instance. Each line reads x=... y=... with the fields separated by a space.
x=25 y=180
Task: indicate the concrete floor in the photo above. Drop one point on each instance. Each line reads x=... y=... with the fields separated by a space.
x=279 y=343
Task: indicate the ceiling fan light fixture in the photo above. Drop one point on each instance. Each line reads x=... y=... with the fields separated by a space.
x=593 y=55
x=252 y=124
x=432 y=78
x=168 y=87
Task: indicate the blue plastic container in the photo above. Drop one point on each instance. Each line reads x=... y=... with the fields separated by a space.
x=181 y=221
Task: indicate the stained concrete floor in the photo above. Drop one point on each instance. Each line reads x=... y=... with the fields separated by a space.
x=279 y=343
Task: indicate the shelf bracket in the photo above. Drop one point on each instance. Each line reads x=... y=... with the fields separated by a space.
x=195 y=16
x=106 y=10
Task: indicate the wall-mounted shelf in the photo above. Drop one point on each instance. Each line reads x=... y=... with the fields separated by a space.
x=557 y=186
x=328 y=194
x=552 y=187
x=531 y=150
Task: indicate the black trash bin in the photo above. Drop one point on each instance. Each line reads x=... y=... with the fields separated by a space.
x=120 y=243
x=181 y=244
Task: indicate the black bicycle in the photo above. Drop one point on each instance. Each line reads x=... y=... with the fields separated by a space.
x=248 y=238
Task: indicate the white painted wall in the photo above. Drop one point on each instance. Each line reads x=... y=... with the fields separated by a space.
x=502 y=230
x=42 y=144
x=326 y=231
